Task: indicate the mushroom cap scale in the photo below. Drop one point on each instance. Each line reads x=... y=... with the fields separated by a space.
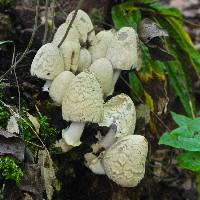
x=59 y=86
x=103 y=71
x=124 y=161
x=47 y=63
x=83 y=24
x=120 y=110
x=83 y=101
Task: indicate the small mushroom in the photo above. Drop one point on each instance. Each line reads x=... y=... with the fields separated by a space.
x=123 y=162
x=47 y=63
x=70 y=51
x=84 y=60
x=60 y=85
x=100 y=45
x=120 y=116
x=83 y=102
x=123 y=51
x=84 y=26
x=103 y=71
x=73 y=34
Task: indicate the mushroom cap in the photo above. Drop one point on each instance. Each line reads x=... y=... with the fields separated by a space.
x=83 y=101
x=120 y=110
x=122 y=51
x=100 y=44
x=70 y=51
x=85 y=60
x=83 y=24
x=47 y=63
x=73 y=34
x=103 y=71
x=124 y=161
x=59 y=86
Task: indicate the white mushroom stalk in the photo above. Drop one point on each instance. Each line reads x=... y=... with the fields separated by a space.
x=73 y=133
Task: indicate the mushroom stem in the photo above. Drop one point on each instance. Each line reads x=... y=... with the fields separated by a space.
x=94 y=163
x=97 y=167
x=109 y=139
x=73 y=134
x=116 y=75
x=47 y=85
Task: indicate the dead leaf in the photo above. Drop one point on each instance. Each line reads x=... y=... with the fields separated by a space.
x=151 y=34
x=11 y=144
x=31 y=181
x=148 y=30
x=12 y=125
x=34 y=121
x=47 y=172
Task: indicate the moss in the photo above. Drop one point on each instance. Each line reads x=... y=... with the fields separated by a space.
x=10 y=170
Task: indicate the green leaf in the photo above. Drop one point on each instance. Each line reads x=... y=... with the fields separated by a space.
x=125 y=15
x=6 y=41
x=187 y=136
x=180 y=80
x=168 y=11
x=136 y=86
x=181 y=120
x=189 y=160
x=182 y=41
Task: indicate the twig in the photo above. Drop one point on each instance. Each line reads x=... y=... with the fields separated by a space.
x=71 y=22
x=29 y=44
x=52 y=7
x=46 y=22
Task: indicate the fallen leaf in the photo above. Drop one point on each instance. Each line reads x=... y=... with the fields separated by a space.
x=12 y=125
x=47 y=172
x=31 y=181
x=34 y=121
x=11 y=144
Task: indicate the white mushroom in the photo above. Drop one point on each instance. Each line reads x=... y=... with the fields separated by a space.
x=84 y=60
x=120 y=116
x=73 y=34
x=103 y=71
x=60 y=85
x=70 y=51
x=83 y=102
x=84 y=26
x=122 y=51
x=100 y=44
x=47 y=63
x=123 y=162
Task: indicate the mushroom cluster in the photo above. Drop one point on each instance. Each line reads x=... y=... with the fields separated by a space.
x=80 y=73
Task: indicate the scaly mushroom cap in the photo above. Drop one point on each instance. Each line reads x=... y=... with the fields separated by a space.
x=70 y=51
x=47 y=63
x=100 y=44
x=83 y=24
x=83 y=101
x=122 y=51
x=124 y=161
x=85 y=60
x=103 y=71
x=73 y=34
x=120 y=110
x=59 y=86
